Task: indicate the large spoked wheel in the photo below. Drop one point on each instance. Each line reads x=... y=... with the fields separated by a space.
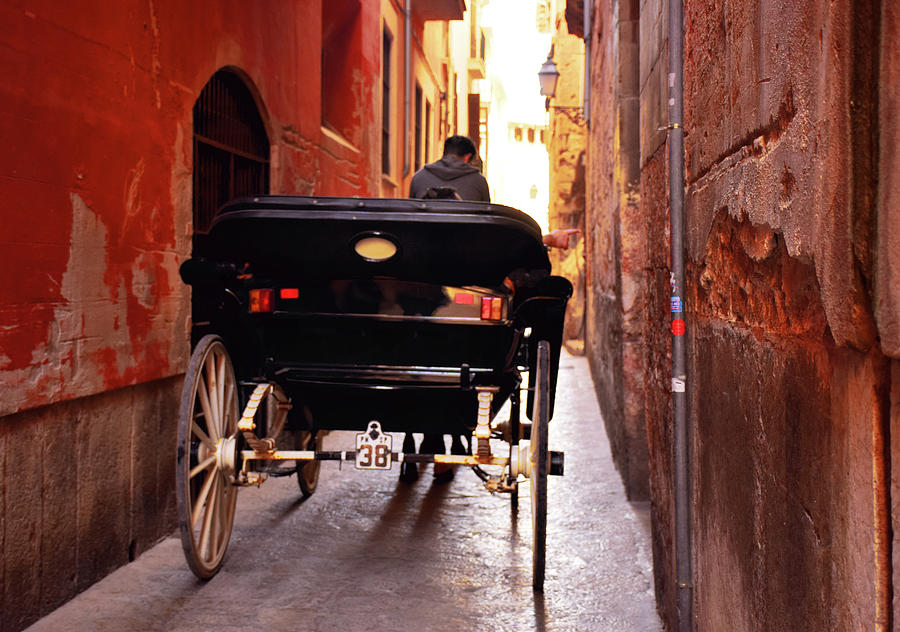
x=540 y=464
x=308 y=471
x=207 y=420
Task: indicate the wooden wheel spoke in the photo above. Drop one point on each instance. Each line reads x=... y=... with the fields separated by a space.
x=221 y=518
x=200 y=501
x=220 y=394
x=211 y=387
x=230 y=410
x=211 y=508
x=204 y=438
x=204 y=465
x=206 y=405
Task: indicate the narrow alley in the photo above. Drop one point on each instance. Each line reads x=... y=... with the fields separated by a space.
x=368 y=552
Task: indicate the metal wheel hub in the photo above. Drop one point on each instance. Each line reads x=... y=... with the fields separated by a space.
x=226 y=456
x=520 y=460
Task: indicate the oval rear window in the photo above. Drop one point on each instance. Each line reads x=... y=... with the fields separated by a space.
x=375 y=249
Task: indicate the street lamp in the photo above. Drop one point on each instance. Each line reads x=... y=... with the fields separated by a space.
x=548 y=76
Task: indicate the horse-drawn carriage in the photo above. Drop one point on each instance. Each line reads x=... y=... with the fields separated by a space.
x=371 y=315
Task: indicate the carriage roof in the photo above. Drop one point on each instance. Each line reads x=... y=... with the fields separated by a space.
x=440 y=241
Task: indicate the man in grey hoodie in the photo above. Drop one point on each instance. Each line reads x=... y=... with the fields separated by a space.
x=453 y=170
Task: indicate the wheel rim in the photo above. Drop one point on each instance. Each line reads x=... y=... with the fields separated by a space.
x=206 y=496
x=539 y=465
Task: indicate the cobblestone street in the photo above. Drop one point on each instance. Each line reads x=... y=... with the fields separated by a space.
x=367 y=552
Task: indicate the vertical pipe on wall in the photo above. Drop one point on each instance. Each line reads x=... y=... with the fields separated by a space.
x=587 y=62
x=407 y=81
x=683 y=571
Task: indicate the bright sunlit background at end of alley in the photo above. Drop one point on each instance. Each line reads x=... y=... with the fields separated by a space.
x=518 y=165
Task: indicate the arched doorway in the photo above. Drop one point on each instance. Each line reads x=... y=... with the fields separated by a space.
x=231 y=147
x=231 y=159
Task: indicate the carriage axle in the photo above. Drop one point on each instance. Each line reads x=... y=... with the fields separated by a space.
x=248 y=477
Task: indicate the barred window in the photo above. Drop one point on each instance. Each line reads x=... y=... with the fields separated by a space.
x=231 y=147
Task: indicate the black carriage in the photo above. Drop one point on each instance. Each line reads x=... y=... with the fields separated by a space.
x=314 y=314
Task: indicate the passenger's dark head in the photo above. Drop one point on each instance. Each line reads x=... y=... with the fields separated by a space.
x=441 y=193
x=459 y=146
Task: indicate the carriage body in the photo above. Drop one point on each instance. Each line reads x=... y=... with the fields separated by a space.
x=405 y=340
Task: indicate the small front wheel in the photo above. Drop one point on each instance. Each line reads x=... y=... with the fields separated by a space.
x=207 y=420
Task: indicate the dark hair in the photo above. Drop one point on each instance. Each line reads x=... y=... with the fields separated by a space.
x=459 y=146
x=441 y=193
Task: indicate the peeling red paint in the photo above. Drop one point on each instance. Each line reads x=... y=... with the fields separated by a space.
x=95 y=304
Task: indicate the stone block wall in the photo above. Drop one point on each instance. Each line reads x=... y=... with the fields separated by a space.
x=88 y=485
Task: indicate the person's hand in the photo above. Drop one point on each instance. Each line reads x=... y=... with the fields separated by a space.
x=560 y=237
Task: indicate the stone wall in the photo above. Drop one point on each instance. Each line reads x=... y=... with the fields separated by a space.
x=88 y=485
x=791 y=301
x=619 y=263
x=566 y=150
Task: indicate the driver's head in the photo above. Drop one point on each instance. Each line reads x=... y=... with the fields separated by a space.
x=460 y=146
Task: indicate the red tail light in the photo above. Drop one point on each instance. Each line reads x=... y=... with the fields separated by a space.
x=496 y=308
x=289 y=293
x=491 y=308
x=262 y=301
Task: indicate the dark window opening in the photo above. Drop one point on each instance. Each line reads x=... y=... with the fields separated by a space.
x=427 y=131
x=455 y=89
x=386 y=42
x=231 y=147
x=418 y=130
x=474 y=112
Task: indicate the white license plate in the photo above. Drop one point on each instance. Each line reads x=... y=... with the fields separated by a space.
x=373 y=448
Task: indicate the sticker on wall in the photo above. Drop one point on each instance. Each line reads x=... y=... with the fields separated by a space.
x=676 y=303
x=677 y=385
x=678 y=327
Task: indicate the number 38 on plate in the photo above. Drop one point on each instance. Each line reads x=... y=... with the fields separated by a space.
x=373 y=448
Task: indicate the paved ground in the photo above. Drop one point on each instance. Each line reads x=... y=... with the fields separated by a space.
x=368 y=553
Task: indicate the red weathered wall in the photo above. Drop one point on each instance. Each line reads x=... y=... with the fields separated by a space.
x=96 y=174
x=96 y=116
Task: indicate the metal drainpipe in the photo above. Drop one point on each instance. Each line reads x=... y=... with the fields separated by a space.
x=587 y=63
x=407 y=69
x=683 y=571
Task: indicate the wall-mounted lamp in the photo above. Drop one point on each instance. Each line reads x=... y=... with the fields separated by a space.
x=548 y=75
